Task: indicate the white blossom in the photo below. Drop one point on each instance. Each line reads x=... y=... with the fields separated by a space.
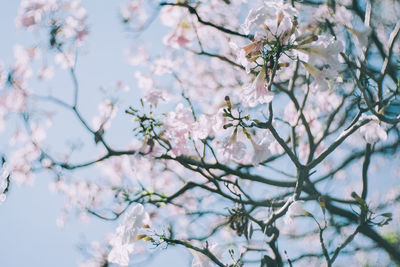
x=277 y=18
x=295 y=209
x=324 y=51
x=122 y=241
x=201 y=128
x=373 y=131
x=361 y=36
x=65 y=60
x=120 y=254
x=321 y=77
x=261 y=151
x=233 y=149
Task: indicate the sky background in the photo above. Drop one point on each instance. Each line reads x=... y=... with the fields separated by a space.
x=29 y=235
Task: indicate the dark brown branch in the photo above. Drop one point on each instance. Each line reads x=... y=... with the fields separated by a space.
x=193 y=11
x=367 y=160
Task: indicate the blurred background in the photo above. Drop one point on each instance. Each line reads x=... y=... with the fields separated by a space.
x=29 y=235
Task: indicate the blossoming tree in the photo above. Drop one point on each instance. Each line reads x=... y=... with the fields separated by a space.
x=262 y=126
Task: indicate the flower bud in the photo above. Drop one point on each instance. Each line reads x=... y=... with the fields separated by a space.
x=148 y=238
x=226 y=126
x=138 y=237
x=279 y=18
x=228 y=101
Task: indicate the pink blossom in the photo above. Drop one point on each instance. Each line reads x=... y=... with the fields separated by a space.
x=28 y=20
x=261 y=151
x=257 y=92
x=31 y=12
x=232 y=149
x=46 y=73
x=144 y=81
x=276 y=148
x=163 y=66
x=81 y=35
x=116 y=169
x=218 y=122
x=16 y=100
x=241 y=57
x=120 y=85
x=201 y=128
x=178 y=124
x=65 y=60
x=19 y=164
x=291 y=114
x=134 y=11
x=170 y=16
x=21 y=70
x=138 y=57
x=177 y=39
x=38 y=133
x=107 y=111
x=154 y=96
x=69 y=27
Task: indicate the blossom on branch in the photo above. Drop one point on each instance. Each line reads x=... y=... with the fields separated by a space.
x=271 y=20
x=122 y=241
x=373 y=131
x=295 y=209
x=261 y=151
x=257 y=92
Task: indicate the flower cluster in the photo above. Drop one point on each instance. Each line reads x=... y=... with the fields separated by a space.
x=126 y=233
